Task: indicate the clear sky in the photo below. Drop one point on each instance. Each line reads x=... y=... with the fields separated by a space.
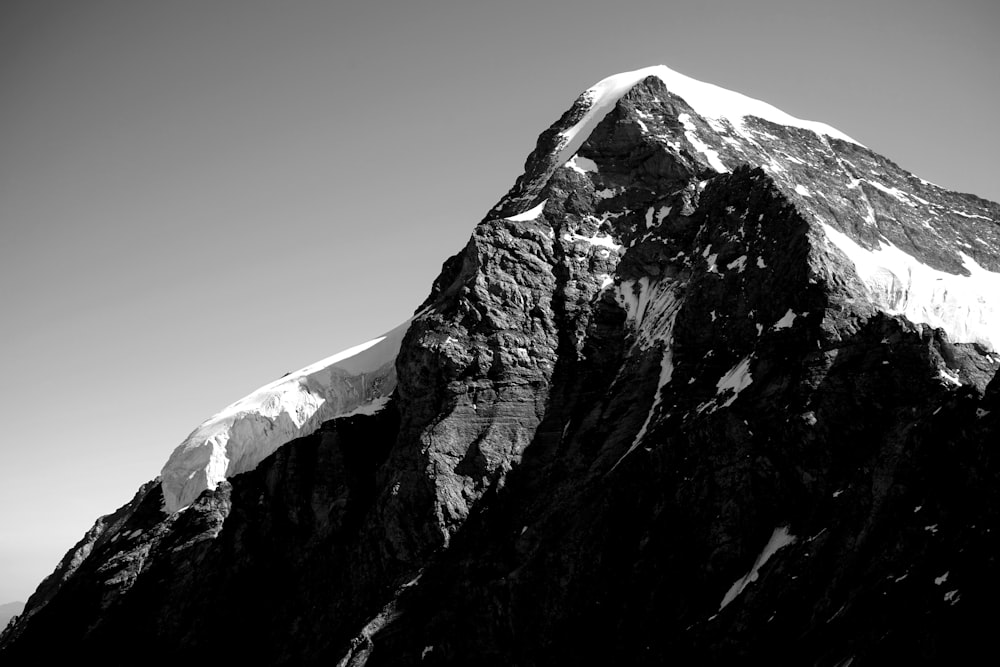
x=199 y=196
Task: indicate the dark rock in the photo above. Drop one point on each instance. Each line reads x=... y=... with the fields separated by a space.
x=604 y=415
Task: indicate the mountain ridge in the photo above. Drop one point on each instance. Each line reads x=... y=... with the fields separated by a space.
x=636 y=349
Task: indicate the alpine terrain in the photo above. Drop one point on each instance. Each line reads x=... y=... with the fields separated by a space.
x=710 y=385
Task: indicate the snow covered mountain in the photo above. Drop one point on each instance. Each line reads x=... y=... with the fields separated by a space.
x=709 y=380
x=358 y=380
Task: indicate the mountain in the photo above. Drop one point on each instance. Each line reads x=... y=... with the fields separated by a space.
x=8 y=611
x=710 y=384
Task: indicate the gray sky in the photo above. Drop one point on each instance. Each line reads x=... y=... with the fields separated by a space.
x=196 y=197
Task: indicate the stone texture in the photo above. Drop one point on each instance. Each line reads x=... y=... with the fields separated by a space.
x=602 y=415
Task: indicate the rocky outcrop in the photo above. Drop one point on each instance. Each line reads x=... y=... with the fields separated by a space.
x=658 y=409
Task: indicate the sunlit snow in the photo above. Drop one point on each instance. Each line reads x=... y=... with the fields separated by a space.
x=651 y=311
x=786 y=320
x=690 y=132
x=355 y=381
x=965 y=307
x=779 y=538
x=582 y=164
x=597 y=240
x=709 y=101
x=530 y=214
x=736 y=380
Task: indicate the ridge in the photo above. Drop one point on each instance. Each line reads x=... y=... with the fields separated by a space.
x=702 y=383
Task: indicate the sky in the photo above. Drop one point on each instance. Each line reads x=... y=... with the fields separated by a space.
x=199 y=196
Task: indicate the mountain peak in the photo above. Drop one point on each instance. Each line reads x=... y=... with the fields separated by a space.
x=708 y=100
x=708 y=379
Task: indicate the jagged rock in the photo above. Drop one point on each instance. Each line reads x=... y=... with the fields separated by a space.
x=709 y=385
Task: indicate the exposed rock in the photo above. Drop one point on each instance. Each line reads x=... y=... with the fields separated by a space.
x=653 y=412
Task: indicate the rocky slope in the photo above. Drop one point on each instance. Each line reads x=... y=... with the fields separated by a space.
x=8 y=611
x=709 y=384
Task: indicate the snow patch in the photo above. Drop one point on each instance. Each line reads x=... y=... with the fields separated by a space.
x=736 y=380
x=948 y=378
x=690 y=132
x=896 y=193
x=802 y=190
x=582 y=165
x=655 y=306
x=740 y=264
x=780 y=538
x=967 y=215
x=369 y=408
x=712 y=266
x=965 y=307
x=786 y=320
x=236 y=439
x=596 y=239
x=530 y=214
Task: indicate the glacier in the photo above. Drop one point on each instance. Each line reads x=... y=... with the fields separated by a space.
x=357 y=380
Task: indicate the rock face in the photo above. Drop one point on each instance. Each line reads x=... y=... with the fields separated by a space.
x=709 y=385
x=8 y=611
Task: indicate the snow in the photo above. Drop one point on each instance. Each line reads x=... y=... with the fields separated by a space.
x=948 y=378
x=582 y=165
x=652 y=314
x=627 y=298
x=965 y=307
x=530 y=214
x=370 y=408
x=737 y=379
x=660 y=215
x=802 y=190
x=236 y=439
x=760 y=263
x=967 y=215
x=786 y=320
x=690 y=132
x=780 y=538
x=596 y=239
x=711 y=260
x=707 y=100
x=940 y=580
x=740 y=264
x=895 y=193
